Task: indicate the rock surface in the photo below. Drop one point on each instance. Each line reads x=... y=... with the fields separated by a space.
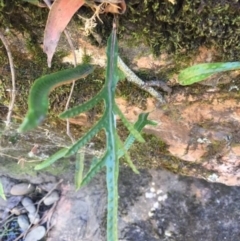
x=180 y=208
x=154 y=205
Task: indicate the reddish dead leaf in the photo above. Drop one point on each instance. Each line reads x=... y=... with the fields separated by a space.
x=59 y=16
x=123 y=6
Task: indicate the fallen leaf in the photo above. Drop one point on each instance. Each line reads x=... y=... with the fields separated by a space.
x=59 y=16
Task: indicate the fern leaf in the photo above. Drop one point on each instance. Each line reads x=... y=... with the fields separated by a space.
x=83 y=107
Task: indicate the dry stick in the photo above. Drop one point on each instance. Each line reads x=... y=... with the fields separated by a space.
x=38 y=206
x=73 y=84
x=48 y=217
x=13 y=90
x=48 y=3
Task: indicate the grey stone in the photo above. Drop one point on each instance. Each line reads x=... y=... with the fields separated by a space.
x=52 y=198
x=23 y=222
x=22 y=189
x=29 y=205
x=36 y=234
x=34 y=218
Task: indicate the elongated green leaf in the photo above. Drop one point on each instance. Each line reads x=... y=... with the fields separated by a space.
x=127 y=157
x=56 y=156
x=85 y=139
x=83 y=107
x=2 y=194
x=38 y=96
x=139 y=125
x=129 y=126
x=97 y=165
x=200 y=72
x=79 y=169
x=114 y=147
x=112 y=162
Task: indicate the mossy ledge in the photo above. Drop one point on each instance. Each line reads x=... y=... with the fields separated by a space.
x=181 y=28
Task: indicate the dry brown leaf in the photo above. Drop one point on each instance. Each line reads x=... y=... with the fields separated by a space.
x=59 y=16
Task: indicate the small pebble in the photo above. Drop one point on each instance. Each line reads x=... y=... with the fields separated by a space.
x=22 y=189
x=29 y=205
x=36 y=234
x=34 y=218
x=52 y=198
x=23 y=222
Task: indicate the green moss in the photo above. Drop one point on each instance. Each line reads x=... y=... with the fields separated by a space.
x=180 y=29
x=86 y=59
x=154 y=154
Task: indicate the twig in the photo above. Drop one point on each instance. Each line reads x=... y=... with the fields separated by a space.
x=73 y=84
x=38 y=206
x=48 y=3
x=132 y=77
x=47 y=217
x=159 y=83
x=13 y=90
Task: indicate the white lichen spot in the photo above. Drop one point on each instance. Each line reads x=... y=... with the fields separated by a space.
x=153 y=183
x=150 y=195
x=203 y=141
x=213 y=177
x=152 y=189
x=233 y=87
x=159 y=191
x=150 y=214
x=168 y=233
x=156 y=205
x=162 y=198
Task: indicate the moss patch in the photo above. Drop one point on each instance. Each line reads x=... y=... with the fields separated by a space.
x=181 y=28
